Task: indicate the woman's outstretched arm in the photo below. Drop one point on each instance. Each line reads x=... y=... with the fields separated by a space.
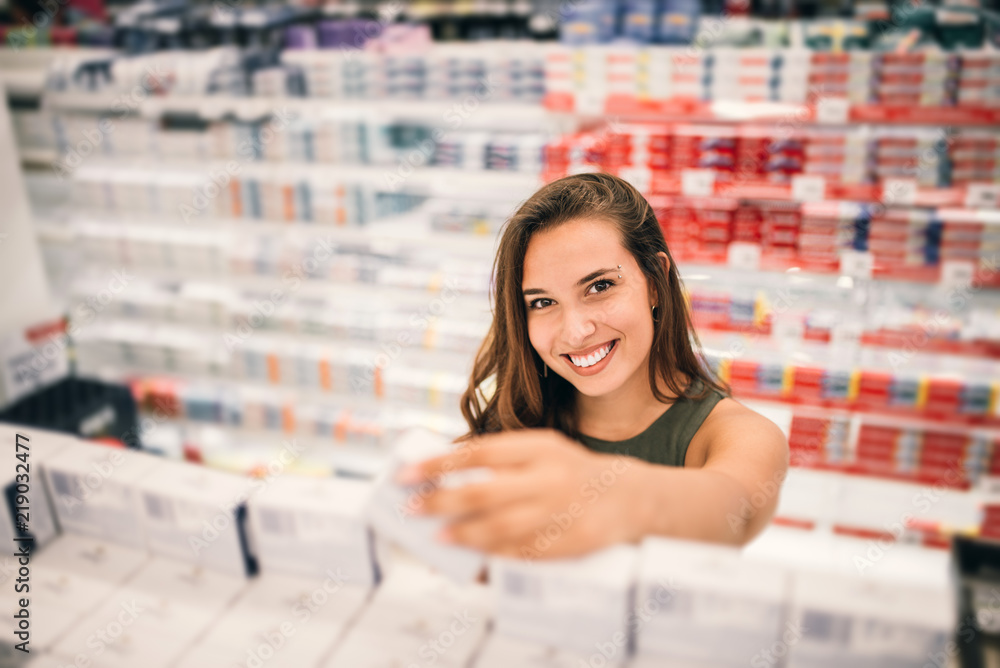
x=550 y=496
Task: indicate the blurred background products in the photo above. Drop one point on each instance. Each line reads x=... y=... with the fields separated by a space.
x=248 y=245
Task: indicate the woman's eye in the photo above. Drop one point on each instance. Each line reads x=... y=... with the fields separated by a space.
x=601 y=286
x=539 y=303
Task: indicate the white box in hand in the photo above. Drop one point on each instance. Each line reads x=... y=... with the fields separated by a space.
x=390 y=512
x=580 y=604
x=307 y=526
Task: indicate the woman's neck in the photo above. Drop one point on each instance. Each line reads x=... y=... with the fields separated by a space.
x=626 y=412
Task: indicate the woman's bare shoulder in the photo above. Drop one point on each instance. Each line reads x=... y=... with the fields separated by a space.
x=731 y=422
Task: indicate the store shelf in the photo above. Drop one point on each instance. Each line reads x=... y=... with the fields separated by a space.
x=492 y=114
x=689 y=109
x=954 y=200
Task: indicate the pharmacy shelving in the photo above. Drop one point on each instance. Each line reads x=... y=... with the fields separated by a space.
x=691 y=109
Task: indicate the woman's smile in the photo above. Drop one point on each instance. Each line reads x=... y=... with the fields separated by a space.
x=592 y=360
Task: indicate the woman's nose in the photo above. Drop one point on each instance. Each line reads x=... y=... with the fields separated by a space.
x=578 y=325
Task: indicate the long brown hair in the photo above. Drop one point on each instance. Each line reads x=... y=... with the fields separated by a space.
x=521 y=396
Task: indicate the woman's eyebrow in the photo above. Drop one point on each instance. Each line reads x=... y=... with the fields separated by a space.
x=586 y=279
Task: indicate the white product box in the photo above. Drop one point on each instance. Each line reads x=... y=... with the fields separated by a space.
x=91 y=558
x=198 y=515
x=40 y=447
x=46 y=626
x=390 y=512
x=502 y=652
x=809 y=495
x=165 y=600
x=578 y=604
x=417 y=616
x=107 y=644
x=844 y=620
x=703 y=604
x=793 y=549
x=94 y=490
x=307 y=526
x=254 y=639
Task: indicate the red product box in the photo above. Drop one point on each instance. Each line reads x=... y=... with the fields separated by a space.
x=879 y=434
x=807 y=383
x=743 y=376
x=943 y=395
x=874 y=388
x=747 y=224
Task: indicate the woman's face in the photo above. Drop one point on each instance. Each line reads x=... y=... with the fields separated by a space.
x=591 y=327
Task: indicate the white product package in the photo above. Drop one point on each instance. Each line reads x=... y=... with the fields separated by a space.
x=580 y=604
x=153 y=617
x=307 y=526
x=502 y=651
x=417 y=617
x=280 y=620
x=198 y=515
x=24 y=476
x=867 y=622
x=94 y=491
x=705 y=605
x=390 y=512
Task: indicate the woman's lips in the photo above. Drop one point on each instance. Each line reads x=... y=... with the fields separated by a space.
x=597 y=367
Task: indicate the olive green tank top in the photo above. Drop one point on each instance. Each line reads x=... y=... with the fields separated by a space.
x=666 y=440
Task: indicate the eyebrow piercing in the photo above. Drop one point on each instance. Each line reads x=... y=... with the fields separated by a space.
x=619 y=269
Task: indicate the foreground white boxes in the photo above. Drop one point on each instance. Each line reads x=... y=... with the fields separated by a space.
x=25 y=476
x=308 y=526
x=578 y=604
x=152 y=618
x=198 y=515
x=417 y=617
x=94 y=490
x=280 y=620
x=702 y=604
x=869 y=623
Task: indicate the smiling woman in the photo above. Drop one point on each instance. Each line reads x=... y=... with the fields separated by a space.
x=589 y=398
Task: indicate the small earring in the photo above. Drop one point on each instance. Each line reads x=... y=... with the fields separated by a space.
x=546 y=373
x=655 y=314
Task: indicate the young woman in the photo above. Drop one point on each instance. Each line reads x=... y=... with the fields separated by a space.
x=588 y=400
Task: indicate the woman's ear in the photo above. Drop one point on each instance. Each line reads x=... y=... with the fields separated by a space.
x=666 y=262
x=653 y=297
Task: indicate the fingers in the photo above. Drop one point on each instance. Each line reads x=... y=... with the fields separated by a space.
x=505 y=526
x=510 y=448
x=502 y=490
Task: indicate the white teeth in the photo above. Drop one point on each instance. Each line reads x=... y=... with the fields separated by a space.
x=593 y=358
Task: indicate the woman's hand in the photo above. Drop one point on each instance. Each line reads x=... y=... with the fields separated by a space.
x=549 y=496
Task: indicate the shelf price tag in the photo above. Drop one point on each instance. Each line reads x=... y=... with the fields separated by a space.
x=982 y=196
x=743 y=255
x=833 y=110
x=698 y=182
x=808 y=188
x=856 y=264
x=846 y=334
x=957 y=273
x=589 y=103
x=899 y=192
x=787 y=327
